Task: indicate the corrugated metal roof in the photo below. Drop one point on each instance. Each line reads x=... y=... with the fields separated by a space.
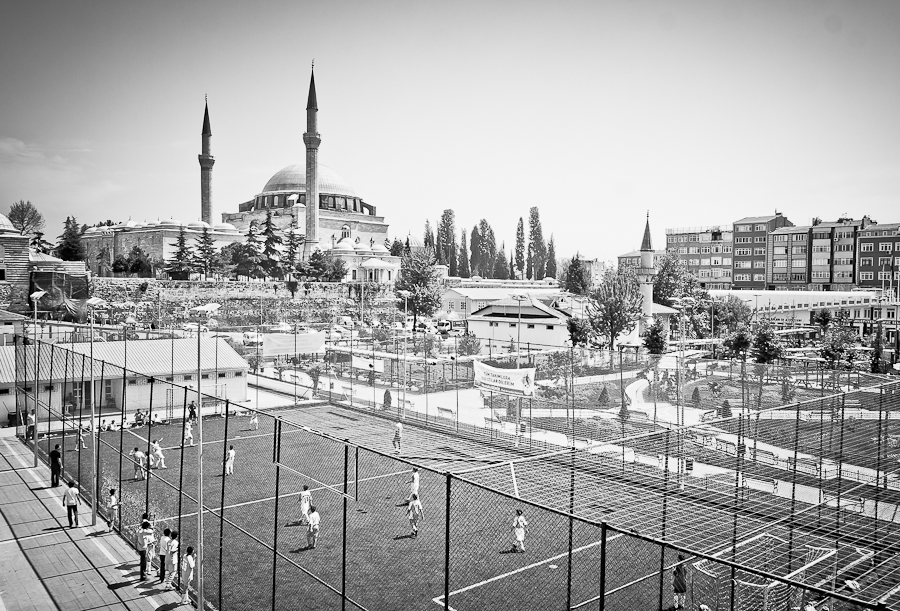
x=145 y=357
x=756 y=219
x=502 y=293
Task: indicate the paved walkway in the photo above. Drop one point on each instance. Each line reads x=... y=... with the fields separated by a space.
x=44 y=565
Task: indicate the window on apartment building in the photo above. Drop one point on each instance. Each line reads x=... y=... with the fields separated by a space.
x=891 y=313
x=512 y=325
x=671 y=239
x=884 y=261
x=821 y=236
x=760 y=239
x=843 y=261
x=742 y=252
x=798 y=263
x=820 y=275
x=884 y=247
x=702 y=261
x=716 y=261
x=798 y=250
x=705 y=250
x=743 y=241
x=844 y=248
x=693 y=250
x=759 y=277
x=780 y=250
x=726 y=249
x=777 y=264
x=530 y=327
x=742 y=277
x=222 y=375
x=682 y=250
x=749 y=264
x=843 y=275
x=726 y=260
x=759 y=252
x=780 y=238
x=798 y=277
x=884 y=275
x=693 y=261
x=759 y=228
x=896 y=245
x=704 y=273
x=866 y=247
x=821 y=261
x=821 y=249
x=865 y=261
x=798 y=237
x=761 y=264
x=744 y=228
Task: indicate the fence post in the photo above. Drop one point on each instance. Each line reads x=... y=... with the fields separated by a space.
x=449 y=478
x=344 y=534
x=121 y=458
x=276 y=456
x=222 y=508
x=603 y=531
x=662 y=574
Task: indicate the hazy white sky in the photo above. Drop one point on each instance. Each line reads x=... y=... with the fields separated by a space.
x=700 y=111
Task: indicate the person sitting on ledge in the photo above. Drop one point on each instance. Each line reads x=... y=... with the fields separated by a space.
x=138 y=418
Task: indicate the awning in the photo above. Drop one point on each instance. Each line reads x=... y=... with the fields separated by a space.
x=374 y=263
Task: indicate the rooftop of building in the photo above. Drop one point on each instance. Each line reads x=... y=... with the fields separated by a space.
x=758 y=219
x=503 y=292
x=637 y=253
x=292 y=179
x=793 y=229
x=706 y=229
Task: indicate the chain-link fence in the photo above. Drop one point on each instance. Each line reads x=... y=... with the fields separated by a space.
x=768 y=509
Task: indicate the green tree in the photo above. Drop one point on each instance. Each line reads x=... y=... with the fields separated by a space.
x=501 y=268
x=520 y=249
x=837 y=346
x=387 y=399
x=537 y=248
x=468 y=345
x=315 y=268
x=445 y=241
x=25 y=217
x=580 y=331
x=419 y=278
x=695 y=396
x=603 y=399
x=615 y=306
x=725 y=410
x=463 y=266
x=428 y=241
x=822 y=318
x=69 y=247
x=655 y=338
x=488 y=253
x=182 y=263
x=39 y=244
x=738 y=342
x=232 y=256
x=335 y=269
x=669 y=282
x=575 y=280
x=139 y=263
x=205 y=253
x=730 y=313
x=271 y=248
x=551 y=259
x=120 y=264
x=252 y=261
x=293 y=250
x=396 y=248
x=475 y=251
x=766 y=346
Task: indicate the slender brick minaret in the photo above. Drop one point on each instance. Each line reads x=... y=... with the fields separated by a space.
x=206 y=166
x=312 y=139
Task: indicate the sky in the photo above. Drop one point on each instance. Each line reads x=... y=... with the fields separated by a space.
x=699 y=112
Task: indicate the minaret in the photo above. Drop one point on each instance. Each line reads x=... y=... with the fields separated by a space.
x=206 y=166
x=311 y=139
x=646 y=274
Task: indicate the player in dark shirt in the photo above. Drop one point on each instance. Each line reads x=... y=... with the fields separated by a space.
x=55 y=466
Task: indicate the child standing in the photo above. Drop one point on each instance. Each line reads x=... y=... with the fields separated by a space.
x=305 y=502
x=112 y=504
x=312 y=531
x=171 y=559
x=187 y=574
x=398 y=436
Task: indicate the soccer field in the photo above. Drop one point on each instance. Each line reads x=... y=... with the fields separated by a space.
x=253 y=539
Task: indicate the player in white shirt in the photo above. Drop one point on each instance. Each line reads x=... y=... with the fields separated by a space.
x=112 y=504
x=518 y=528
x=305 y=502
x=415 y=514
x=188 y=432
x=254 y=421
x=157 y=460
x=312 y=531
x=413 y=484
x=398 y=437
x=187 y=574
x=138 y=457
x=229 y=461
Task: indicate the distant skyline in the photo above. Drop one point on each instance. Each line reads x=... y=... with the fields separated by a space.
x=699 y=111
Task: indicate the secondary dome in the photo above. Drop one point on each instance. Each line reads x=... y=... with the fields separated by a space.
x=5 y=225
x=293 y=178
x=198 y=225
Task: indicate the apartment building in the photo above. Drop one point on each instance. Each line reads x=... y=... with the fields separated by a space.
x=833 y=254
x=878 y=253
x=633 y=258
x=706 y=251
x=788 y=259
x=750 y=252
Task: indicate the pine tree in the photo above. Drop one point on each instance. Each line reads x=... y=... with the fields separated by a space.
x=463 y=268
x=205 y=252
x=251 y=264
x=695 y=396
x=396 y=248
x=538 y=249
x=475 y=251
x=520 y=249
x=39 y=244
x=182 y=263
x=419 y=278
x=512 y=267
x=292 y=251
x=488 y=249
x=575 y=281
x=315 y=268
x=69 y=247
x=551 y=259
x=428 y=242
x=501 y=269
x=406 y=247
x=271 y=248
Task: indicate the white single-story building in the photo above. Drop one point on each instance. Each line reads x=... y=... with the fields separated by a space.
x=152 y=368
x=467 y=300
x=529 y=322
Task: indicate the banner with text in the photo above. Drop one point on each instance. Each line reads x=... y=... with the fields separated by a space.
x=515 y=382
x=288 y=343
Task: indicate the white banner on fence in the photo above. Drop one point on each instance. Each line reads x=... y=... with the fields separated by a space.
x=288 y=343
x=360 y=362
x=516 y=382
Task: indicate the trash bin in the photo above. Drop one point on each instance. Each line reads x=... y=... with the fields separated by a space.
x=13 y=419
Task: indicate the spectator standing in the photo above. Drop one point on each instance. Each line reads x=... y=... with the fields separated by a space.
x=143 y=542
x=29 y=431
x=187 y=574
x=312 y=530
x=172 y=559
x=71 y=500
x=192 y=412
x=55 y=466
x=679 y=582
x=112 y=504
x=398 y=437
x=163 y=553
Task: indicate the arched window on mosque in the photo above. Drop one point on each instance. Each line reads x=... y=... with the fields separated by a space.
x=345 y=231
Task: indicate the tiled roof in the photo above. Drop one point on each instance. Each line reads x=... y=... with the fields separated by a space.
x=503 y=293
x=155 y=357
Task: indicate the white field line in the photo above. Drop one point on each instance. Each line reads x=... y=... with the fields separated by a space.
x=440 y=599
x=512 y=468
x=50 y=494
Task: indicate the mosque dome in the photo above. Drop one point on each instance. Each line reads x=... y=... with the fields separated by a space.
x=293 y=178
x=198 y=225
x=5 y=225
x=89 y=229
x=345 y=245
x=170 y=223
x=225 y=227
x=380 y=249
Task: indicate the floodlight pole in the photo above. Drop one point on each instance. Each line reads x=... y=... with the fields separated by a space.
x=199 y=480
x=405 y=295
x=519 y=299
x=34 y=433
x=94 y=428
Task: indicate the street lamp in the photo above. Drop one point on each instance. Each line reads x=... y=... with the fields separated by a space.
x=92 y=304
x=35 y=297
x=680 y=305
x=405 y=295
x=519 y=299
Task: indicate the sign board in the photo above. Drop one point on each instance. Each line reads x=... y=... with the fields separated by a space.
x=515 y=382
x=289 y=343
x=359 y=362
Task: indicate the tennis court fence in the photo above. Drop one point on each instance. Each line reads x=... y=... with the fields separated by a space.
x=257 y=551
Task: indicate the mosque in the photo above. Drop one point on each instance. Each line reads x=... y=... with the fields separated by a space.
x=341 y=225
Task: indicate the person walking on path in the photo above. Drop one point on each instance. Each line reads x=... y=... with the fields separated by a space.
x=163 y=553
x=518 y=527
x=679 y=582
x=79 y=443
x=55 y=466
x=398 y=437
x=305 y=503
x=157 y=459
x=229 y=461
x=188 y=433
x=138 y=456
x=144 y=542
x=29 y=431
x=71 y=500
x=415 y=514
x=312 y=530
x=171 y=559
x=187 y=574
x=112 y=504
x=192 y=412
x=413 y=484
